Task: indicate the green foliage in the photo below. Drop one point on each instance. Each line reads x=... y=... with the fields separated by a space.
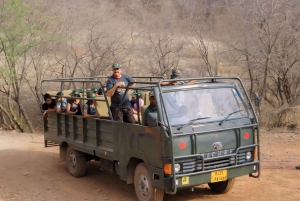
x=21 y=28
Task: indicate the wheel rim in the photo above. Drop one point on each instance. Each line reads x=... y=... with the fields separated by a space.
x=72 y=160
x=143 y=185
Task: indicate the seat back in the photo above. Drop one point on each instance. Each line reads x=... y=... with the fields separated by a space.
x=67 y=93
x=52 y=93
x=101 y=106
x=143 y=109
x=145 y=97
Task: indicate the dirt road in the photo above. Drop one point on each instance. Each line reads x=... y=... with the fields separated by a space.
x=28 y=172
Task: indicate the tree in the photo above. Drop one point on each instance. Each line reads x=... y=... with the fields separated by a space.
x=163 y=53
x=21 y=30
x=266 y=37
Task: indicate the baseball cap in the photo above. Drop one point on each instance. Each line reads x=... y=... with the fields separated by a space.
x=151 y=93
x=116 y=65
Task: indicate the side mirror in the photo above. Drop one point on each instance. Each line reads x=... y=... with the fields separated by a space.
x=256 y=99
x=152 y=120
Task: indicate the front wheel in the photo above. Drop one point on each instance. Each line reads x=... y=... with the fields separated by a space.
x=143 y=185
x=76 y=162
x=222 y=186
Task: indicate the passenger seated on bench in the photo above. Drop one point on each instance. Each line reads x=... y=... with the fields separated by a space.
x=49 y=104
x=73 y=106
x=89 y=109
x=152 y=108
x=61 y=105
x=133 y=103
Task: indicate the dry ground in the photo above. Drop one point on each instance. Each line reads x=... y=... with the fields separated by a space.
x=28 y=171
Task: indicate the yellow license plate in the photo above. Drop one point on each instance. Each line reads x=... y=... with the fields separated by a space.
x=185 y=180
x=220 y=175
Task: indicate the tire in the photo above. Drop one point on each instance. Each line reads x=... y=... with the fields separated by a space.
x=76 y=162
x=143 y=185
x=222 y=186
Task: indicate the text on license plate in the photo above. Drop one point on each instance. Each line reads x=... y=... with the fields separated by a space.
x=220 y=175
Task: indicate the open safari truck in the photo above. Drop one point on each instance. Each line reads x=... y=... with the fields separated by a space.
x=206 y=132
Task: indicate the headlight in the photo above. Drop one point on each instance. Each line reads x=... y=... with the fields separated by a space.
x=248 y=156
x=177 y=167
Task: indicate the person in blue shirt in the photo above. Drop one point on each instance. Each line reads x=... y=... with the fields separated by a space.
x=89 y=109
x=119 y=79
x=61 y=105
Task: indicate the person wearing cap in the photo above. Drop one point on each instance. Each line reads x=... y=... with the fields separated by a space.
x=94 y=90
x=176 y=75
x=133 y=103
x=89 y=109
x=73 y=106
x=174 y=99
x=152 y=108
x=119 y=79
x=61 y=104
x=49 y=104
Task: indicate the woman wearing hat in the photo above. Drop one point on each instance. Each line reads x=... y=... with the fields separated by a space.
x=62 y=103
x=73 y=106
x=89 y=109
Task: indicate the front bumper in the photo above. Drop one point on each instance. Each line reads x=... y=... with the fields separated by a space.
x=195 y=179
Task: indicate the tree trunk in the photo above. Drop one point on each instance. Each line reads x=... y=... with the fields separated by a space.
x=12 y=119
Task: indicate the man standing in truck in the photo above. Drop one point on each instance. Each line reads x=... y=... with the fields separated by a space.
x=152 y=108
x=119 y=79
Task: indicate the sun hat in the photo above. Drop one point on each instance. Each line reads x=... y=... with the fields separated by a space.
x=75 y=92
x=134 y=93
x=95 y=89
x=90 y=95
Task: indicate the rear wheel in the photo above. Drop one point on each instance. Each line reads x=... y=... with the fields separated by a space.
x=76 y=162
x=222 y=186
x=143 y=185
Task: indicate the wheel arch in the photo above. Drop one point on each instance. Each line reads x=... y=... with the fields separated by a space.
x=63 y=151
x=133 y=162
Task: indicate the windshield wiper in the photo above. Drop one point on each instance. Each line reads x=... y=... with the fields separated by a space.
x=191 y=121
x=228 y=115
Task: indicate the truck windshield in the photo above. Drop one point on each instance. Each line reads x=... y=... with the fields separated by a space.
x=213 y=104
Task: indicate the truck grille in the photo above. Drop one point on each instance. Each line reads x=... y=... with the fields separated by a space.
x=195 y=164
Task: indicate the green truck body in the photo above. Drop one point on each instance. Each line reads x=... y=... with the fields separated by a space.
x=209 y=134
